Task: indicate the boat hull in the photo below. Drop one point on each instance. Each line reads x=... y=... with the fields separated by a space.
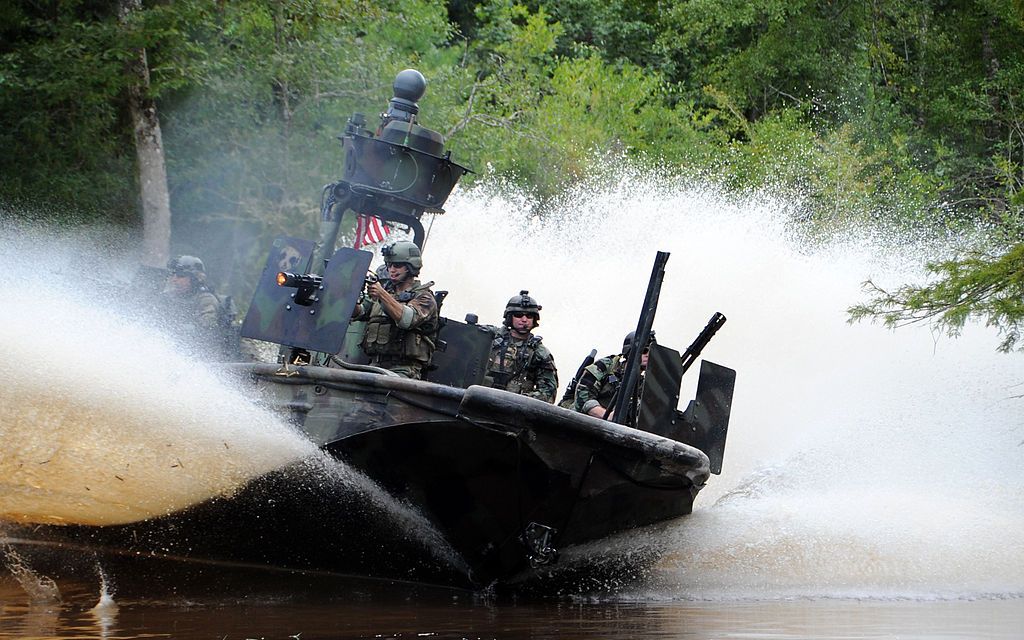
x=420 y=482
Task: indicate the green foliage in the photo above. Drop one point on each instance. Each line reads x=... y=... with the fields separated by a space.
x=61 y=83
x=984 y=285
x=617 y=30
x=893 y=112
x=767 y=54
x=593 y=114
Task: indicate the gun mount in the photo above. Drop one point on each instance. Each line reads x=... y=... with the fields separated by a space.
x=396 y=173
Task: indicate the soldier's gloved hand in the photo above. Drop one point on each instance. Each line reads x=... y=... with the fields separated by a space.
x=376 y=291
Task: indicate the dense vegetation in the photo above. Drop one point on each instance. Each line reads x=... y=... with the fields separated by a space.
x=895 y=112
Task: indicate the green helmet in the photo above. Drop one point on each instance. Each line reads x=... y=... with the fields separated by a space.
x=403 y=252
x=522 y=303
x=187 y=266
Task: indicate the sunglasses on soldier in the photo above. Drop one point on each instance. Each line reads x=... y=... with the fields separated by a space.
x=521 y=314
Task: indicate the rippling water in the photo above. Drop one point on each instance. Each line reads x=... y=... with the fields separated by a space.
x=358 y=611
x=873 y=482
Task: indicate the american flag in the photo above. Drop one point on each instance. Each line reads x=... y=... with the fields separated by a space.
x=370 y=230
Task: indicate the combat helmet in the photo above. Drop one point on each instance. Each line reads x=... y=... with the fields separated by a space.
x=522 y=303
x=188 y=266
x=403 y=252
x=627 y=342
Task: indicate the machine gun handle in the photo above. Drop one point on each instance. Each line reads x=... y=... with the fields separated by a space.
x=439 y=297
x=570 y=391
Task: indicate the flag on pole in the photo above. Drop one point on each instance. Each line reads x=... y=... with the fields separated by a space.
x=370 y=230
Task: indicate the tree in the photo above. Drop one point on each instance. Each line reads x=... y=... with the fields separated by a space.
x=149 y=151
x=978 y=285
x=62 y=91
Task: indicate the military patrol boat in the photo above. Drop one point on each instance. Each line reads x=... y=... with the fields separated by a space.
x=507 y=481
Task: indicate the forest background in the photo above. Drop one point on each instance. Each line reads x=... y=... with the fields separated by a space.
x=902 y=114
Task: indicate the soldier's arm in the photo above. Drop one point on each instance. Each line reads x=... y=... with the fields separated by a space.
x=393 y=308
x=362 y=309
x=207 y=308
x=419 y=311
x=589 y=387
x=546 y=381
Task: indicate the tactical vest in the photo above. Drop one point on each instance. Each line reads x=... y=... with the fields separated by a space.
x=384 y=340
x=508 y=366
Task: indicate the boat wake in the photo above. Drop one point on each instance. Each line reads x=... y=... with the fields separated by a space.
x=106 y=421
x=861 y=462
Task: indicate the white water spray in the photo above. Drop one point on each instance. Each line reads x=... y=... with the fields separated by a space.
x=107 y=421
x=860 y=461
x=39 y=589
x=104 y=421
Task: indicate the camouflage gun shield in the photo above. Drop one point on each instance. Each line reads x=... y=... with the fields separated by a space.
x=320 y=325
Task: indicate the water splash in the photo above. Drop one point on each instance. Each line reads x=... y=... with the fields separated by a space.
x=105 y=420
x=860 y=461
x=104 y=612
x=404 y=516
x=41 y=590
x=108 y=421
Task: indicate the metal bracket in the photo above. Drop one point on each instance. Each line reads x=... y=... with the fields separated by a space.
x=537 y=538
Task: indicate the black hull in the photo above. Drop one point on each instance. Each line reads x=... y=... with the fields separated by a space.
x=305 y=518
x=474 y=478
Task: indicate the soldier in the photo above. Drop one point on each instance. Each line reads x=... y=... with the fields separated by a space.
x=204 y=317
x=519 y=362
x=599 y=384
x=401 y=314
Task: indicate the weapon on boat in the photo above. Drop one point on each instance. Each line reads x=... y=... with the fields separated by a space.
x=693 y=351
x=624 y=407
x=570 y=391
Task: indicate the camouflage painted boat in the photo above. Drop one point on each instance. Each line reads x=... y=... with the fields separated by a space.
x=495 y=484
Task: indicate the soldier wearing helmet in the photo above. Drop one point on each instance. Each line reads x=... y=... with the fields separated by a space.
x=401 y=314
x=200 y=315
x=186 y=284
x=599 y=384
x=519 y=361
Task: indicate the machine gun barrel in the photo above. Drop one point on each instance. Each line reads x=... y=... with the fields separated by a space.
x=625 y=403
x=306 y=283
x=693 y=351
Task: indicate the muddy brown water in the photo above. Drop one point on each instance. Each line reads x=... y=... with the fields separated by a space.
x=363 y=609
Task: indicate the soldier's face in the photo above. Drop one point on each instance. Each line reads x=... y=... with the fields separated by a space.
x=522 y=323
x=399 y=272
x=178 y=285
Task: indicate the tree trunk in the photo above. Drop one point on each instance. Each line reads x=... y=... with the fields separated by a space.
x=149 y=151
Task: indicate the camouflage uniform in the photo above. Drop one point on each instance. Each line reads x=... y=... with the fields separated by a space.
x=525 y=366
x=404 y=347
x=198 y=314
x=204 y=307
x=599 y=383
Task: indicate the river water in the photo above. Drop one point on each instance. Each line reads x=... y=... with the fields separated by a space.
x=873 y=483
